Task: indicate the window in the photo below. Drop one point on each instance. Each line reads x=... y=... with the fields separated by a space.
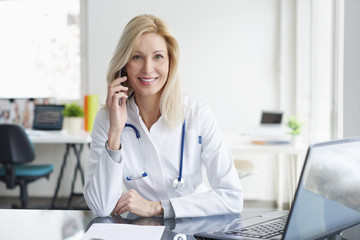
x=319 y=68
x=40 y=49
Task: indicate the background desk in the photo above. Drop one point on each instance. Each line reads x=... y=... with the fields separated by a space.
x=72 y=224
x=72 y=141
x=241 y=144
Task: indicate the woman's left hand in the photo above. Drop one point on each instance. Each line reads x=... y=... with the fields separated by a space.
x=133 y=202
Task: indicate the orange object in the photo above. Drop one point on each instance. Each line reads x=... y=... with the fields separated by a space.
x=91 y=106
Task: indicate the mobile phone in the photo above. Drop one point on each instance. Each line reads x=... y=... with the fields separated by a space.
x=120 y=73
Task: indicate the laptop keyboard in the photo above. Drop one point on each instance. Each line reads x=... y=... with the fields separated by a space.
x=262 y=231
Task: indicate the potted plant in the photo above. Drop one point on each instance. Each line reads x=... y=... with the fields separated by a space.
x=73 y=117
x=295 y=126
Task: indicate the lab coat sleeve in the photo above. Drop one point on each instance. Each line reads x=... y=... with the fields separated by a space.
x=103 y=178
x=226 y=196
x=168 y=209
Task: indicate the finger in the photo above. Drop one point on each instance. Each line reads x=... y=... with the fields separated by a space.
x=123 y=210
x=126 y=201
x=116 y=89
x=119 y=97
x=118 y=81
x=117 y=208
x=132 y=193
x=117 y=94
x=120 y=204
x=114 y=97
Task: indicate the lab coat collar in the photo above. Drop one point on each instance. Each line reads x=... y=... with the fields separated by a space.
x=132 y=107
x=134 y=116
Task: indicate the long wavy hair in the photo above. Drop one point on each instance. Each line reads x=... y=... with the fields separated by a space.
x=171 y=106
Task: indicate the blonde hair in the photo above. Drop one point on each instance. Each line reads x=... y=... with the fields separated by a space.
x=171 y=106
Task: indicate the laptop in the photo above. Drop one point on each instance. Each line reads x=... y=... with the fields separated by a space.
x=48 y=117
x=327 y=199
x=269 y=118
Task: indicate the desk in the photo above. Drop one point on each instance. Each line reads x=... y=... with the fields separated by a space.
x=72 y=141
x=72 y=224
x=241 y=144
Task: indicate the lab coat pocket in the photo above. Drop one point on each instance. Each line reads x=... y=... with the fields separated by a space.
x=192 y=159
x=141 y=184
x=192 y=149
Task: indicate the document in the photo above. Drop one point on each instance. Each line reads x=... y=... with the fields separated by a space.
x=109 y=231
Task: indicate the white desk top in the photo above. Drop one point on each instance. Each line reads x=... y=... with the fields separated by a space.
x=239 y=143
x=55 y=137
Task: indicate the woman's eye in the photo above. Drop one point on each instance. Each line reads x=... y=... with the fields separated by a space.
x=159 y=56
x=136 y=57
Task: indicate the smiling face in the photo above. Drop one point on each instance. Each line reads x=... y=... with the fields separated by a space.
x=148 y=68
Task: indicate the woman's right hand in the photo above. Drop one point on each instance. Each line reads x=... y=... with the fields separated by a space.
x=117 y=112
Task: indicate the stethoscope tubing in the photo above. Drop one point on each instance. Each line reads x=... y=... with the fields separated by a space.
x=137 y=133
x=145 y=174
x=182 y=152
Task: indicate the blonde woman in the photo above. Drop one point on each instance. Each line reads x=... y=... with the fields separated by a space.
x=154 y=140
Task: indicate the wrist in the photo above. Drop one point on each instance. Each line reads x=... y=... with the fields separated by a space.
x=157 y=208
x=114 y=140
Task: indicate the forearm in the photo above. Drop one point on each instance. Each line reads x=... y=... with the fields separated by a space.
x=103 y=185
x=208 y=204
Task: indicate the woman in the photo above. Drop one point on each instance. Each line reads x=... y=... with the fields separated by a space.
x=155 y=141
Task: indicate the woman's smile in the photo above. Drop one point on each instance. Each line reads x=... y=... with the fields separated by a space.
x=147 y=80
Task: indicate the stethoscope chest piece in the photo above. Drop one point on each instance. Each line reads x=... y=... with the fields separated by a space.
x=179 y=236
x=178 y=184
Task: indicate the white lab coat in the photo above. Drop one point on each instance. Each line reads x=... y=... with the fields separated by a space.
x=161 y=160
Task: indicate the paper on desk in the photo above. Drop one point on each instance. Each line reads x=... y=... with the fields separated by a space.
x=108 y=231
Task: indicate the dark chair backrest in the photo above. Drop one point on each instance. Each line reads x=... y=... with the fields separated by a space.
x=15 y=146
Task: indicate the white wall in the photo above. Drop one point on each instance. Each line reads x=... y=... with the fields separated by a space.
x=228 y=51
x=351 y=69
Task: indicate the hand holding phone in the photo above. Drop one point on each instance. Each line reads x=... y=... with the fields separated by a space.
x=117 y=94
x=116 y=106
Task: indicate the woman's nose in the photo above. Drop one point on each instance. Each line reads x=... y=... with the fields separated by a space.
x=148 y=66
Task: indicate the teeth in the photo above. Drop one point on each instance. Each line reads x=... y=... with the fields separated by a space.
x=147 y=79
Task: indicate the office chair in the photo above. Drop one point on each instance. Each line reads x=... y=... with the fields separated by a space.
x=15 y=151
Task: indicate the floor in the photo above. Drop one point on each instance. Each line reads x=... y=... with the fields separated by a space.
x=78 y=203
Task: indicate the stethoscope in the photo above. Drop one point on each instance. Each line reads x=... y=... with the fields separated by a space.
x=178 y=182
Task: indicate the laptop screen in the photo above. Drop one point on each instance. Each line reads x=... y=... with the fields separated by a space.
x=48 y=117
x=327 y=199
x=271 y=118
